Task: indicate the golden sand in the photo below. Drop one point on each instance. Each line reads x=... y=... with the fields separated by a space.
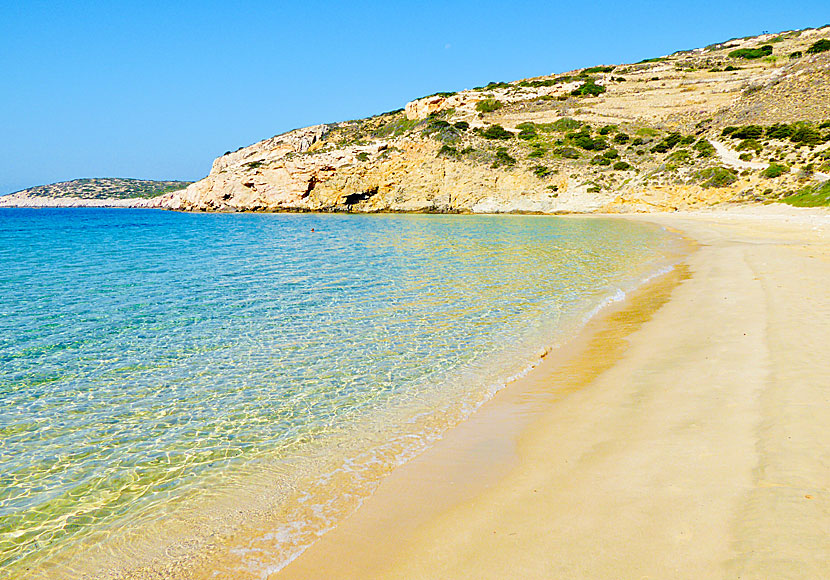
x=685 y=436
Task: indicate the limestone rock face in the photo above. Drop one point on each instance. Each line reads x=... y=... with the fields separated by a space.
x=406 y=177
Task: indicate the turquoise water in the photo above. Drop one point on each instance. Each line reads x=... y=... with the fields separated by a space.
x=159 y=366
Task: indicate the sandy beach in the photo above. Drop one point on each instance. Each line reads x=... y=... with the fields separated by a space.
x=683 y=436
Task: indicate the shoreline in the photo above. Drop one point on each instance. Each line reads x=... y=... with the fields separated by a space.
x=662 y=463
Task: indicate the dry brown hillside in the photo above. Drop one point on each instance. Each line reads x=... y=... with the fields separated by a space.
x=743 y=120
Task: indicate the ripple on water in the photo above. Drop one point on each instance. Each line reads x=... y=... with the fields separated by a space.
x=156 y=363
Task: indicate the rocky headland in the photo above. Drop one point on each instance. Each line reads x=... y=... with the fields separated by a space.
x=746 y=120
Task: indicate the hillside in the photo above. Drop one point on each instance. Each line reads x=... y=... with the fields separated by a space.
x=743 y=120
x=99 y=191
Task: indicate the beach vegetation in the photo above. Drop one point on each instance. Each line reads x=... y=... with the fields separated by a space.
x=527 y=131
x=611 y=154
x=362 y=156
x=598 y=69
x=562 y=125
x=775 y=170
x=607 y=129
x=779 y=131
x=743 y=132
x=588 y=89
x=805 y=133
x=796 y=54
x=537 y=150
x=541 y=171
x=813 y=196
x=600 y=160
x=716 y=177
x=750 y=145
x=503 y=158
x=495 y=132
x=818 y=46
x=461 y=125
x=489 y=105
x=621 y=138
x=567 y=152
x=622 y=166
x=752 y=53
x=667 y=143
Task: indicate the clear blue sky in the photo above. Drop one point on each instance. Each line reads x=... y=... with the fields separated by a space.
x=157 y=90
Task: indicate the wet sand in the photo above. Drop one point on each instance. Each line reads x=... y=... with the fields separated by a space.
x=683 y=436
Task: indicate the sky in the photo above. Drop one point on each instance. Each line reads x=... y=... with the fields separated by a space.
x=157 y=90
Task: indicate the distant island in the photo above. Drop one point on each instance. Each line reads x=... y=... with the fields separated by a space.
x=93 y=192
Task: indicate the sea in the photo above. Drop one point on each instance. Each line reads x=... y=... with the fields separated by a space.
x=167 y=379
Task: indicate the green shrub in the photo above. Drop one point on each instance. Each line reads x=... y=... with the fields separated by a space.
x=589 y=88
x=679 y=156
x=622 y=166
x=447 y=151
x=687 y=140
x=600 y=160
x=744 y=132
x=745 y=156
x=805 y=133
x=611 y=154
x=774 y=170
x=824 y=125
x=503 y=158
x=730 y=68
x=538 y=151
x=716 y=177
x=621 y=138
x=567 y=152
x=488 y=105
x=796 y=54
x=750 y=145
x=819 y=46
x=667 y=143
x=362 y=156
x=565 y=124
x=779 y=131
x=440 y=130
x=495 y=132
x=598 y=69
x=461 y=125
x=541 y=171
x=608 y=129
x=527 y=131
x=752 y=53
x=818 y=195
x=585 y=141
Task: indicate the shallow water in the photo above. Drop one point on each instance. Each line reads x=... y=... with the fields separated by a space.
x=162 y=372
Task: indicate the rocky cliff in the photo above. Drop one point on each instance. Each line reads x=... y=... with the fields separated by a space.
x=688 y=129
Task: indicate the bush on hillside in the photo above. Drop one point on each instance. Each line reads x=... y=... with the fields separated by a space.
x=622 y=166
x=716 y=177
x=667 y=143
x=588 y=89
x=488 y=105
x=743 y=132
x=774 y=170
x=541 y=171
x=752 y=53
x=750 y=145
x=621 y=138
x=805 y=133
x=495 y=132
x=503 y=158
x=819 y=46
x=565 y=124
x=704 y=148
